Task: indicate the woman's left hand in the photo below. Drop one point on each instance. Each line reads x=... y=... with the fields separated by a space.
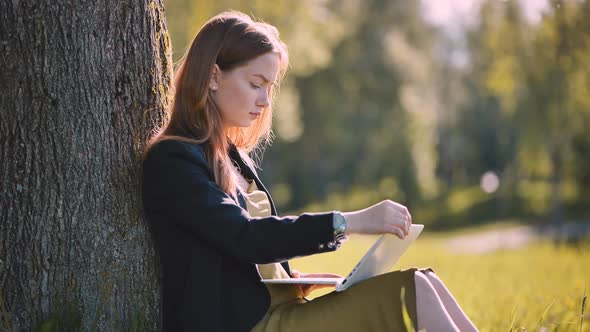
x=306 y=289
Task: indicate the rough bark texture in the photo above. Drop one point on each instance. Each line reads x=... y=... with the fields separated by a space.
x=82 y=83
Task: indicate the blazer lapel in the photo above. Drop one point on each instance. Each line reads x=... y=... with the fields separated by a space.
x=248 y=173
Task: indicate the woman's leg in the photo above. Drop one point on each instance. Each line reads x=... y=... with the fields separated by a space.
x=453 y=308
x=372 y=305
x=430 y=311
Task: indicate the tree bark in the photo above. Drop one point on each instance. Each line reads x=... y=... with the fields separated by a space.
x=82 y=85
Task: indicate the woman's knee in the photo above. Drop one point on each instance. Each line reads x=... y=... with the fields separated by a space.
x=432 y=276
x=435 y=281
x=429 y=307
x=424 y=286
x=426 y=294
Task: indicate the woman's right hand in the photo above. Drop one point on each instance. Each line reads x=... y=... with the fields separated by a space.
x=384 y=217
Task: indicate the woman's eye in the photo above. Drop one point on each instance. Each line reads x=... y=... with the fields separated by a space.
x=254 y=86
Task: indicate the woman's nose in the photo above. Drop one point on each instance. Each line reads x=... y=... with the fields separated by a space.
x=263 y=100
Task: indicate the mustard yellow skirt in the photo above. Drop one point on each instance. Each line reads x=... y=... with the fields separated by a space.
x=372 y=305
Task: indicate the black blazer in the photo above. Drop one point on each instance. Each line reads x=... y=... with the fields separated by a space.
x=208 y=244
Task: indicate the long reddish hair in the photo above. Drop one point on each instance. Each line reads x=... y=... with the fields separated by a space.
x=229 y=40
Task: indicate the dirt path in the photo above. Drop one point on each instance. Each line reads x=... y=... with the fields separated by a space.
x=515 y=237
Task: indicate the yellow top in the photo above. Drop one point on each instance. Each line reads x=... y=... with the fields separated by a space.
x=258 y=205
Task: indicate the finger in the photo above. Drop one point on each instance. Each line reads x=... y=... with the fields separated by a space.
x=323 y=286
x=402 y=222
x=402 y=225
x=404 y=215
x=406 y=227
x=408 y=224
x=308 y=290
x=398 y=214
x=400 y=233
x=304 y=289
x=401 y=215
x=295 y=274
x=396 y=230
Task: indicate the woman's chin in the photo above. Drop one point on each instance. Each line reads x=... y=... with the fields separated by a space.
x=241 y=126
x=247 y=123
x=244 y=124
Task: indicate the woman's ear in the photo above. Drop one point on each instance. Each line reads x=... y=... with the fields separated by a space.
x=215 y=78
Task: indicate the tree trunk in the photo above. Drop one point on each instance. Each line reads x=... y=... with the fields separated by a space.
x=82 y=84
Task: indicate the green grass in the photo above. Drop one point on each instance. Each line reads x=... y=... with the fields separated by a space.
x=539 y=287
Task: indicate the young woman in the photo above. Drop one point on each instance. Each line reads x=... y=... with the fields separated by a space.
x=216 y=228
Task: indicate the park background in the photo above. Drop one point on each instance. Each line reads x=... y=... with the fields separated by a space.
x=474 y=114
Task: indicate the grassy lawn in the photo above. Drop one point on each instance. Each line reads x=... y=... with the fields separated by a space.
x=536 y=288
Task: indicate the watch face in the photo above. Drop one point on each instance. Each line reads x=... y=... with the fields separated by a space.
x=339 y=222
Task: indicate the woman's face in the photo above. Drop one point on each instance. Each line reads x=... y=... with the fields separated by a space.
x=242 y=93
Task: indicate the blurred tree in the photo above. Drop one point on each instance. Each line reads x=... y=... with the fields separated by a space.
x=357 y=131
x=82 y=87
x=555 y=116
x=483 y=136
x=580 y=100
x=528 y=100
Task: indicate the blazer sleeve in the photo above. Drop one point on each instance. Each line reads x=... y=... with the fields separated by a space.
x=178 y=187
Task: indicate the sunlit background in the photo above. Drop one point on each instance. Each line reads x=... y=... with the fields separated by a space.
x=475 y=114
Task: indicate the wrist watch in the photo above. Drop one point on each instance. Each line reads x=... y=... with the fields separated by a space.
x=339 y=224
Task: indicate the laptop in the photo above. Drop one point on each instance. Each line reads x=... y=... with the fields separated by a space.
x=380 y=258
